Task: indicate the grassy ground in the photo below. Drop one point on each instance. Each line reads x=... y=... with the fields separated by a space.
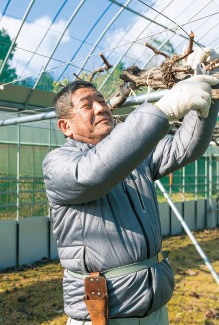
x=32 y=294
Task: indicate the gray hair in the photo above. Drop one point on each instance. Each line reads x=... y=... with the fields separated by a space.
x=62 y=102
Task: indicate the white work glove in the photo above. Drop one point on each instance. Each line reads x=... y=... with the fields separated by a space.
x=192 y=93
x=205 y=55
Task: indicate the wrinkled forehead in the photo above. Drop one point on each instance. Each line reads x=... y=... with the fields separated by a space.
x=82 y=94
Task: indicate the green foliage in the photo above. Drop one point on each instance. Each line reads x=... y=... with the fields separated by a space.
x=112 y=83
x=57 y=86
x=167 y=48
x=8 y=73
x=46 y=82
x=27 y=82
x=110 y=86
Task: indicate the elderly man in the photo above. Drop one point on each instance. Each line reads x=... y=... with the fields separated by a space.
x=104 y=206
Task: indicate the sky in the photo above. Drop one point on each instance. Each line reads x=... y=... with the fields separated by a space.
x=89 y=24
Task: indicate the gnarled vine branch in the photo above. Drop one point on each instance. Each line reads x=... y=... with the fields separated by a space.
x=165 y=76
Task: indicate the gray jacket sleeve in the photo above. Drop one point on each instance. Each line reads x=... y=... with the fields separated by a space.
x=74 y=176
x=188 y=144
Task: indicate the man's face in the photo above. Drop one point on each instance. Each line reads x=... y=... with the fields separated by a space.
x=92 y=121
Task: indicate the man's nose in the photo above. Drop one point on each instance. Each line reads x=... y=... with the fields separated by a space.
x=98 y=108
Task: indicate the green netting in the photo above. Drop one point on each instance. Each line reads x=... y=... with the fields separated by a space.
x=195 y=183
x=32 y=190
x=8 y=160
x=31 y=158
x=36 y=140
x=34 y=145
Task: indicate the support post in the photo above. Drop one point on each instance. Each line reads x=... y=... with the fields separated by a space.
x=206 y=188
x=217 y=201
x=210 y=177
x=188 y=231
x=49 y=210
x=183 y=202
x=196 y=193
x=18 y=191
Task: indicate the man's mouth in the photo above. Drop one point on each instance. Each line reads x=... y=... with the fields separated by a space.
x=103 y=120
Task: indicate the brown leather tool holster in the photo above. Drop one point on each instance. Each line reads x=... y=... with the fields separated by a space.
x=96 y=298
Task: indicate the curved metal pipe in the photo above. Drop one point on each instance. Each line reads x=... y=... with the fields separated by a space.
x=59 y=40
x=14 y=40
x=90 y=31
x=122 y=56
x=164 y=42
x=131 y=101
x=41 y=41
x=103 y=33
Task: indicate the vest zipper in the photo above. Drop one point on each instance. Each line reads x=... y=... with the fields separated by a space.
x=137 y=216
x=137 y=191
x=145 y=236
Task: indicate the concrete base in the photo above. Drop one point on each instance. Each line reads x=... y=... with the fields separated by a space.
x=8 y=243
x=33 y=239
x=36 y=237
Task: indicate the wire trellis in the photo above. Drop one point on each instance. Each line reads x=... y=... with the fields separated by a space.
x=94 y=54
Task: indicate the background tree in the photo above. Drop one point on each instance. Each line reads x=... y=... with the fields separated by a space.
x=8 y=73
x=46 y=82
x=109 y=88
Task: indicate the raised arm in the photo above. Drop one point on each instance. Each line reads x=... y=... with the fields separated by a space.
x=75 y=176
x=188 y=144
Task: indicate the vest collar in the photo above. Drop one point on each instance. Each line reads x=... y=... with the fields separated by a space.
x=79 y=144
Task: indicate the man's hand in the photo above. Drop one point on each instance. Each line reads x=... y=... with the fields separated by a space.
x=193 y=93
x=205 y=55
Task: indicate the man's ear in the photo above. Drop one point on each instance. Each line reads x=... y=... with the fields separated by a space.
x=65 y=127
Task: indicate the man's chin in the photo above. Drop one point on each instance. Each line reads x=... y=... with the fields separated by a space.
x=103 y=135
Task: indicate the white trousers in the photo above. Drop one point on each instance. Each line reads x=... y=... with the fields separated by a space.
x=159 y=317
